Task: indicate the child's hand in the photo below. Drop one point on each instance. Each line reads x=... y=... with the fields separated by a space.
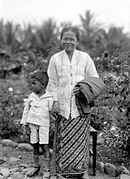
x=24 y=129
x=24 y=136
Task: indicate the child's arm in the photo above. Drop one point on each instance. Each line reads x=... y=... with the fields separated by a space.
x=25 y=115
x=50 y=103
x=25 y=112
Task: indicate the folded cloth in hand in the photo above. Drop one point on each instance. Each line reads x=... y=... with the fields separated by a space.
x=90 y=88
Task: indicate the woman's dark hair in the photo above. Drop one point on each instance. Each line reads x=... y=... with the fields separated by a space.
x=72 y=29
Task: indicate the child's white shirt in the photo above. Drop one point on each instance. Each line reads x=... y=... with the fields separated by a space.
x=36 y=110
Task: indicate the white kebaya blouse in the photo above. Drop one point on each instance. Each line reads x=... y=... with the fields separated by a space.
x=64 y=75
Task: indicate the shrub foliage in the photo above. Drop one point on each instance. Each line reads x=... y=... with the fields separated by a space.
x=111 y=114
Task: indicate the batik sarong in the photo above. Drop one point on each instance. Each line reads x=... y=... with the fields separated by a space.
x=72 y=145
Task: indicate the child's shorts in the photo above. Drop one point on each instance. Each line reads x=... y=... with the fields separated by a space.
x=39 y=134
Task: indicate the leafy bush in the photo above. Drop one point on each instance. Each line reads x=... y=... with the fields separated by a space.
x=10 y=112
x=111 y=114
x=117 y=134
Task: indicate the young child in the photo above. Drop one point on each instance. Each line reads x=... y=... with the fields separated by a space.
x=36 y=116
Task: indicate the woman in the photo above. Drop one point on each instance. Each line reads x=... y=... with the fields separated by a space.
x=65 y=70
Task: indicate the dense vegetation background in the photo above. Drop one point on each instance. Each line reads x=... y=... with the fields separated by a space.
x=25 y=49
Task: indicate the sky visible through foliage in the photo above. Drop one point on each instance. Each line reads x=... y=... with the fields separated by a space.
x=107 y=12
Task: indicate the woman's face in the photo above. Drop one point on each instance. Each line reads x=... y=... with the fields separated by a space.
x=69 y=41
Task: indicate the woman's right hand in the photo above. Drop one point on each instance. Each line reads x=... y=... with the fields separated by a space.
x=55 y=107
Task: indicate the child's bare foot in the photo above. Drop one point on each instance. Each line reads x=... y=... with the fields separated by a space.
x=33 y=171
x=46 y=175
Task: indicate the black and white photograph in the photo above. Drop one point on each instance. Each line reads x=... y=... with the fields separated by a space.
x=64 y=89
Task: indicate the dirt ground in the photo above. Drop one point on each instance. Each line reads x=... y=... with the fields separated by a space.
x=6 y=152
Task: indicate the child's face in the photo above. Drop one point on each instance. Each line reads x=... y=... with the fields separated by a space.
x=36 y=86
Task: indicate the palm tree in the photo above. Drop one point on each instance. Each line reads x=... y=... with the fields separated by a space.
x=117 y=39
x=89 y=30
x=44 y=35
x=2 y=41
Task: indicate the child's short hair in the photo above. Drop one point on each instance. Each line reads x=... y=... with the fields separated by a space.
x=41 y=76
